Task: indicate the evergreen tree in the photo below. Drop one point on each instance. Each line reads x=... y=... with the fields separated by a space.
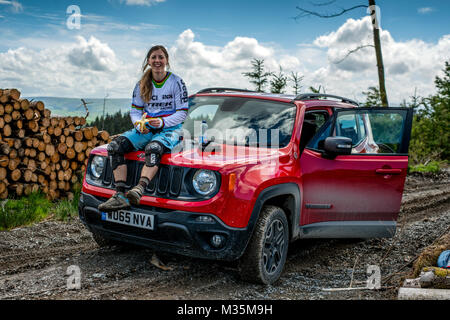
x=279 y=82
x=314 y=90
x=443 y=84
x=258 y=76
x=114 y=124
x=373 y=97
x=430 y=135
x=296 y=79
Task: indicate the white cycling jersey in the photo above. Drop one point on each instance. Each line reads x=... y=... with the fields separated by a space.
x=169 y=101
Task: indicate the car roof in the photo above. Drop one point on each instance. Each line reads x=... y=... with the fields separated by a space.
x=310 y=100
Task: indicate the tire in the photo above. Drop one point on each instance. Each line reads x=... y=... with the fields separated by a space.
x=264 y=259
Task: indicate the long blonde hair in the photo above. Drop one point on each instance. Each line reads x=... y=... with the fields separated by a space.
x=146 y=80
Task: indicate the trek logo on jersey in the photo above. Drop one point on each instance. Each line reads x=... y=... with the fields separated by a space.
x=162 y=105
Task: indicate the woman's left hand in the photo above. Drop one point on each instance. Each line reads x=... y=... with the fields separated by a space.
x=156 y=123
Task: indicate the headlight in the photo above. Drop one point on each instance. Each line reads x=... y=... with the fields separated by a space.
x=204 y=182
x=97 y=165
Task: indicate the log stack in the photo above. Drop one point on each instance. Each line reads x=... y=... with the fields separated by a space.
x=41 y=152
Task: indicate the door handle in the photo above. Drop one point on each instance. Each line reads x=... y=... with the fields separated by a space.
x=388 y=171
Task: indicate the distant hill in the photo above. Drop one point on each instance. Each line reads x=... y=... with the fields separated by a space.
x=73 y=107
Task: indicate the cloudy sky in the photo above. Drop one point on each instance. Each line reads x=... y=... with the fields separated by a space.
x=211 y=43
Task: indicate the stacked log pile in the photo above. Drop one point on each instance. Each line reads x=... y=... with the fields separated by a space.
x=41 y=152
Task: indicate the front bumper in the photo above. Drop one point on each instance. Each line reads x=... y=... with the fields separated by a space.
x=175 y=231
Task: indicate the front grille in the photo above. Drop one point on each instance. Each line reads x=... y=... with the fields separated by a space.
x=177 y=179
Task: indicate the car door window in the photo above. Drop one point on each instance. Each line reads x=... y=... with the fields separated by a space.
x=312 y=123
x=372 y=130
x=351 y=126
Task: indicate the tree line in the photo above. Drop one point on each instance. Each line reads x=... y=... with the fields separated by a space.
x=115 y=124
x=278 y=81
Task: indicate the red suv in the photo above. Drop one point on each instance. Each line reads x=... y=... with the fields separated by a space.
x=276 y=168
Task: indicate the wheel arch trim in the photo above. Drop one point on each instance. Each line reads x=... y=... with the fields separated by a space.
x=284 y=189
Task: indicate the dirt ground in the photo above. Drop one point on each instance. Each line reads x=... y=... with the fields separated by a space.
x=34 y=261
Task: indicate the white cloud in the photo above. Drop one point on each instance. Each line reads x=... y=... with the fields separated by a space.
x=425 y=10
x=84 y=68
x=408 y=64
x=138 y=54
x=89 y=66
x=92 y=55
x=208 y=66
x=141 y=2
x=349 y=33
x=16 y=6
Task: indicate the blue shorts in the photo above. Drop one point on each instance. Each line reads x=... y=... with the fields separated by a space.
x=169 y=137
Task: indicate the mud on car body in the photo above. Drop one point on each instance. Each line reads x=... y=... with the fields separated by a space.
x=278 y=168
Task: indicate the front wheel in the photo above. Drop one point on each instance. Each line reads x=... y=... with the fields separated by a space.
x=264 y=259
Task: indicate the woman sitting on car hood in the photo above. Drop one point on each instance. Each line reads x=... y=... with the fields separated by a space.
x=159 y=107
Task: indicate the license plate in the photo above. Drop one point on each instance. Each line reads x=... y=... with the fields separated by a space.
x=130 y=218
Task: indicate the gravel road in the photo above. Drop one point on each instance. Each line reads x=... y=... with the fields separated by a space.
x=34 y=261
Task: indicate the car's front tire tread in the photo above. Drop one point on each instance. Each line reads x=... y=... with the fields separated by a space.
x=251 y=267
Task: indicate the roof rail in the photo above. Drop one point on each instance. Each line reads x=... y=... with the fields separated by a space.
x=314 y=96
x=215 y=90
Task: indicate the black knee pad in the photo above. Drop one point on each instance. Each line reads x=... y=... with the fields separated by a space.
x=117 y=149
x=153 y=153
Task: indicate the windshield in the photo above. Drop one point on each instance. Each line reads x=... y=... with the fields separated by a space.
x=241 y=121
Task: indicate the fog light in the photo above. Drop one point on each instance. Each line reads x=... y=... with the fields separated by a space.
x=217 y=241
x=204 y=219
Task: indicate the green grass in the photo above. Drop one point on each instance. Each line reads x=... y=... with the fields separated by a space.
x=432 y=167
x=34 y=208
x=66 y=209
x=14 y=213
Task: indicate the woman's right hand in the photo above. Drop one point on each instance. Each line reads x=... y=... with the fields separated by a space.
x=141 y=125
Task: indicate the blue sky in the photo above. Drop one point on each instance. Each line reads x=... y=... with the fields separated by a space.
x=204 y=35
x=217 y=22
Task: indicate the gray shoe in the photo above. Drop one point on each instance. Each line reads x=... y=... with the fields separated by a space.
x=117 y=202
x=135 y=194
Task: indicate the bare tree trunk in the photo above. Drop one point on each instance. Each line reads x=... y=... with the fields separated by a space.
x=379 y=54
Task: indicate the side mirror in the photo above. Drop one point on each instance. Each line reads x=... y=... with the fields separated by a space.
x=336 y=146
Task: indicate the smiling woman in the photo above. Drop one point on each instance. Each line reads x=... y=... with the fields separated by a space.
x=159 y=107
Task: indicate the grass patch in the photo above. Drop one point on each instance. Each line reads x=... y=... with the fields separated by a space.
x=67 y=209
x=34 y=208
x=24 y=211
x=432 y=167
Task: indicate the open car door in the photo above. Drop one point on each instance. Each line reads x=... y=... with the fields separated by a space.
x=353 y=174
